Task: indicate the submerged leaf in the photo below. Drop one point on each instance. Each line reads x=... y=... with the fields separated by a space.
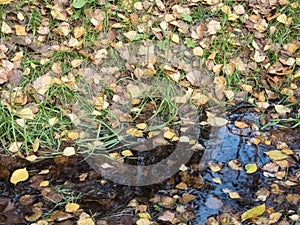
x=254 y=212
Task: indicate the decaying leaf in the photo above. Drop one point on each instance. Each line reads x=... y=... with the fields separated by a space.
x=19 y=175
x=254 y=212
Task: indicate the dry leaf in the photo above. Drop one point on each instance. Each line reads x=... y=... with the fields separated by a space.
x=130 y=34
x=69 y=151
x=175 y=38
x=42 y=84
x=20 y=30
x=213 y=27
x=254 y=212
x=19 y=175
x=251 y=168
x=167 y=216
x=15 y=146
x=26 y=113
x=5 y=28
x=198 y=51
x=281 y=109
x=79 y=31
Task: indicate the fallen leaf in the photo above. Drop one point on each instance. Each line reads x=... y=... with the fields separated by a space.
x=254 y=212
x=251 y=168
x=213 y=27
x=20 y=30
x=5 y=28
x=167 y=216
x=26 y=113
x=127 y=153
x=15 y=146
x=19 y=175
x=143 y=222
x=3 y=2
x=240 y=125
x=85 y=221
x=276 y=155
x=169 y=134
x=69 y=151
x=281 y=109
x=130 y=34
x=71 y=207
x=42 y=84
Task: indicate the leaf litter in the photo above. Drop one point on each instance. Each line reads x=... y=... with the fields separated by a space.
x=45 y=46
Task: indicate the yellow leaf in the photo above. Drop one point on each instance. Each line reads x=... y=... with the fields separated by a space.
x=3 y=2
x=254 y=212
x=36 y=145
x=282 y=18
x=276 y=155
x=26 y=113
x=142 y=126
x=71 y=207
x=44 y=183
x=20 y=30
x=198 y=51
x=175 y=38
x=143 y=222
x=127 y=153
x=85 y=221
x=169 y=134
x=19 y=175
x=251 y=168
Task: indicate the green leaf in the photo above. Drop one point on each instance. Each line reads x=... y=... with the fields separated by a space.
x=78 y=4
x=254 y=212
x=186 y=17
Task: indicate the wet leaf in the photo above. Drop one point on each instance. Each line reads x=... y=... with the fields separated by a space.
x=127 y=153
x=276 y=155
x=213 y=202
x=254 y=212
x=19 y=175
x=251 y=168
x=71 y=207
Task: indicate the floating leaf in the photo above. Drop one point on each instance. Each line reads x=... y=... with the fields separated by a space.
x=254 y=212
x=251 y=168
x=77 y=4
x=19 y=175
x=276 y=155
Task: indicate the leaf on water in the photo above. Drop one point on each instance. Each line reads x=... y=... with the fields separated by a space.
x=281 y=109
x=276 y=155
x=240 y=125
x=251 y=168
x=254 y=212
x=19 y=175
x=71 y=207
x=213 y=202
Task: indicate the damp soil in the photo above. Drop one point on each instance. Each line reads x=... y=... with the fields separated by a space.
x=71 y=179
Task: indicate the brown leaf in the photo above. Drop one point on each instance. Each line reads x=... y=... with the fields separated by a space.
x=167 y=216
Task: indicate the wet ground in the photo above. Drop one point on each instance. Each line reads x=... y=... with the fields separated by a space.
x=219 y=193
